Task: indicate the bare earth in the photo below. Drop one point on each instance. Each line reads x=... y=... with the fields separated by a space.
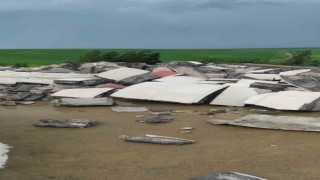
x=97 y=152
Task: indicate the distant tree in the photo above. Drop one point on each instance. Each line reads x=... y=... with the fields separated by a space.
x=91 y=56
x=148 y=57
x=110 y=56
x=20 y=65
x=300 y=57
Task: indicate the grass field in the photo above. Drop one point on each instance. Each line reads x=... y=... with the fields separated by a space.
x=34 y=57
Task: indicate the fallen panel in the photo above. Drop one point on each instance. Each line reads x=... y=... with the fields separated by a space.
x=129 y=109
x=228 y=176
x=267 y=77
x=111 y=85
x=168 y=92
x=236 y=96
x=138 y=79
x=180 y=79
x=294 y=72
x=260 y=71
x=272 y=87
x=248 y=82
x=157 y=139
x=121 y=73
x=4 y=150
x=288 y=100
x=69 y=123
x=82 y=93
x=80 y=81
x=306 y=82
x=165 y=73
x=288 y=123
x=190 y=71
x=77 y=102
x=12 y=77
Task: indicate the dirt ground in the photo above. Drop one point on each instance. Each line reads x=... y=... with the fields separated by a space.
x=98 y=153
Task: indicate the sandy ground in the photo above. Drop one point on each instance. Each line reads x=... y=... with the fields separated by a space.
x=97 y=152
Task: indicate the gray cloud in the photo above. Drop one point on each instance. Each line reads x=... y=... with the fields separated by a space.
x=159 y=23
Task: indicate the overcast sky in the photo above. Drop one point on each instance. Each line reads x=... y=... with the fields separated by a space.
x=159 y=23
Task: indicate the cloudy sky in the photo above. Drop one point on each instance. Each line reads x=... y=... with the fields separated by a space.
x=159 y=23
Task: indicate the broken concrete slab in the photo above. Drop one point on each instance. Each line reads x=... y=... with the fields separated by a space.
x=294 y=72
x=8 y=103
x=186 y=63
x=24 y=96
x=129 y=109
x=307 y=81
x=166 y=73
x=24 y=87
x=272 y=87
x=138 y=79
x=236 y=96
x=80 y=81
x=111 y=85
x=80 y=102
x=121 y=73
x=287 y=100
x=12 y=77
x=228 y=176
x=288 y=123
x=83 y=93
x=189 y=71
x=267 y=77
x=260 y=71
x=168 y=92
x=180 y=79
x=248 y=82
x=4 y=150
x=157 y=139
x=157 y=119
x=69 y=123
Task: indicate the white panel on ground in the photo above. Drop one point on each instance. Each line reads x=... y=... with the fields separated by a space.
x=168 y=92
x=287 y=100
x=236 y=96
x=121 y=73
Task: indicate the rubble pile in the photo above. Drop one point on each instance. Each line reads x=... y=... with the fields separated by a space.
x=187 y=82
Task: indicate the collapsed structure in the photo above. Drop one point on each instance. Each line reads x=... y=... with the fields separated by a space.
x=178 y=82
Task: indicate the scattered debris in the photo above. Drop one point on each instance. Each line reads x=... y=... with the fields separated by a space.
x=289 y=123
x=272 y=87
x=8 y=103
x=26 y=102
x=85 y=102
x=80 y=81
x=228 y=176
x=307 y=81
x=157 y=119
x=4 y=150
x=138 y=79
x=69 y=123
x=157 y=139
x=129 y=109
x=186 y=128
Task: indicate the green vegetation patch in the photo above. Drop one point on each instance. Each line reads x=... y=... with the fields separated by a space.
x=36 y=57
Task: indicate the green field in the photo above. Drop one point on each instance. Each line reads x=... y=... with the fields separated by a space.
x=35 y=57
